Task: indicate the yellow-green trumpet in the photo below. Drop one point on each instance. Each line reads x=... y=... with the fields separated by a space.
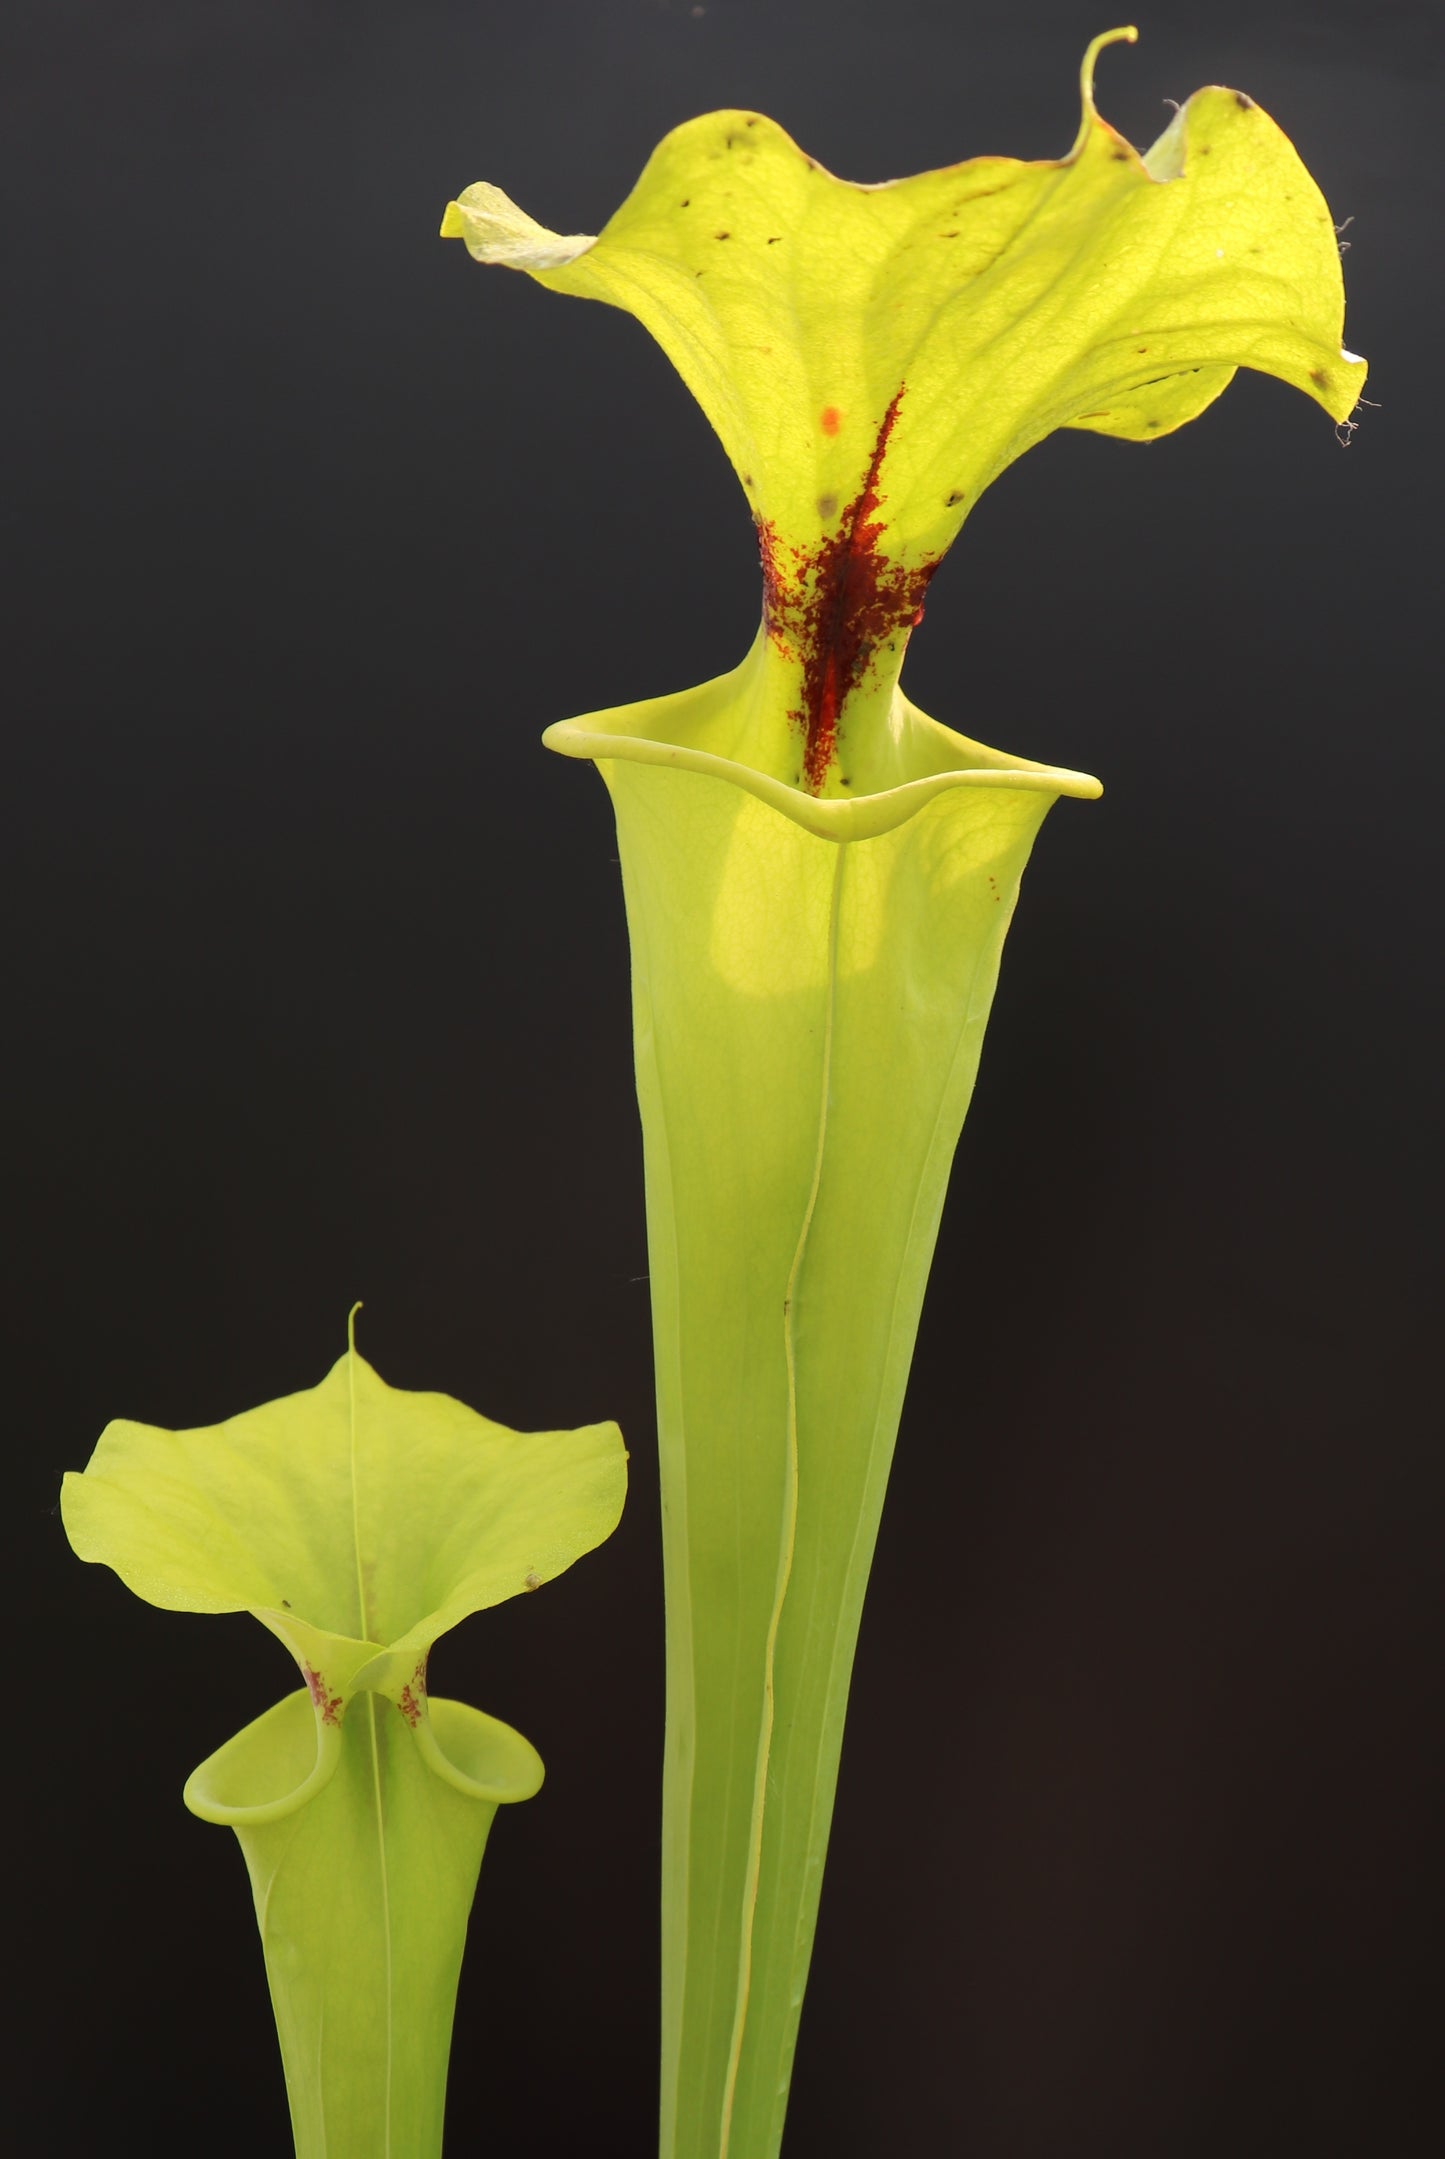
x=358 y=1523
x=819 y=879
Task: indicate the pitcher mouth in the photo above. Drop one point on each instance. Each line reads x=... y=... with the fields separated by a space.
x=655 y=731
x=863 y=818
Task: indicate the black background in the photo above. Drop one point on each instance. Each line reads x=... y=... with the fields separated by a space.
x=318 y=990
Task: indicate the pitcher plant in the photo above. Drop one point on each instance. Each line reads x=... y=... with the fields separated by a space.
x=358 y=1522
x=819 y=879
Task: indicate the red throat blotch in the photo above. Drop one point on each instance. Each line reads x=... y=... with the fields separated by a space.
x=830 y=606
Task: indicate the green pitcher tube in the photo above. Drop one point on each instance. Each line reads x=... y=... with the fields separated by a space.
x=808 y=1012
x=363 y=1872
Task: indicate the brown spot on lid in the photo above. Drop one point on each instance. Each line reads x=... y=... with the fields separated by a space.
x=1245 y=104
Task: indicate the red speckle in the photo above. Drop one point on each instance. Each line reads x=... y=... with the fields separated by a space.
x=408 y=1701
x=329 y=1705
x=837 y=603
x=773 y=581
x=831 y=420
